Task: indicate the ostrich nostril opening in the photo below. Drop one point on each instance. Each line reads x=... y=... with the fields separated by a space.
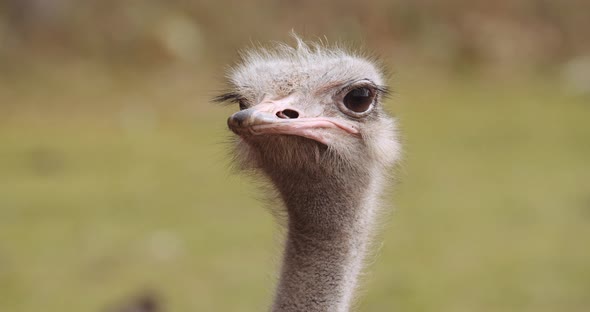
x=288 y=114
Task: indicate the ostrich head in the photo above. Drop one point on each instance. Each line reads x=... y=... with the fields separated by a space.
x=311 y=120
x=311 y=110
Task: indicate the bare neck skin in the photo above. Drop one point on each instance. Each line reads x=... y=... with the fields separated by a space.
x=329 y=229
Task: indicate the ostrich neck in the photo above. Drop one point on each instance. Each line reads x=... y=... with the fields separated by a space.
x=329 y=225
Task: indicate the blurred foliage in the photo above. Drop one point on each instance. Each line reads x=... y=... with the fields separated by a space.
x=452 y=33
x=114 y=179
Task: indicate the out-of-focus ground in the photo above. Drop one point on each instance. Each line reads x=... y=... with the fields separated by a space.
x=115 y=179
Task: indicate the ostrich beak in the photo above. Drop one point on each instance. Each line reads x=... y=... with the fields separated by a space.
x=269 y=119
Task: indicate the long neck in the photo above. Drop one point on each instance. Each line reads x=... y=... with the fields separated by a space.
x=329 y=228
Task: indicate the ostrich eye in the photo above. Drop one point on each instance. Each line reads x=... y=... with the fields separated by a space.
x=359 y=100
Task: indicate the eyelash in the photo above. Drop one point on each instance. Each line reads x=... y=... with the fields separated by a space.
x=230 y=97
x=381 y=91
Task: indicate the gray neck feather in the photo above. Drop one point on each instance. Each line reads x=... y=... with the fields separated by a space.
x=329 y=228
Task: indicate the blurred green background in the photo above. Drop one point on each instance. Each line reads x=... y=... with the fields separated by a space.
x=114 y=166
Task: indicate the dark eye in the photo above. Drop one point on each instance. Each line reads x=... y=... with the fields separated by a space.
x=242 y=105
x=359 y=100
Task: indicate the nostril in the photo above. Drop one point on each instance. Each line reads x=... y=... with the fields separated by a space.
x=288 y=114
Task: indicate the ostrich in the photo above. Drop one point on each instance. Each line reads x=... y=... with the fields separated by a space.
x=311 y=123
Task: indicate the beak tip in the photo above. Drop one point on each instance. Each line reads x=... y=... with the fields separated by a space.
x=235 y=121
x=239 y=118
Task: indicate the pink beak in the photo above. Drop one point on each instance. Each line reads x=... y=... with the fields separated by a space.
x=269 y=118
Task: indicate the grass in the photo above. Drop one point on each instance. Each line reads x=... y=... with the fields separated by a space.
x=117 y=187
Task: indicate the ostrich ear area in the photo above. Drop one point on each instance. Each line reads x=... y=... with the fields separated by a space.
x=256 y=121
